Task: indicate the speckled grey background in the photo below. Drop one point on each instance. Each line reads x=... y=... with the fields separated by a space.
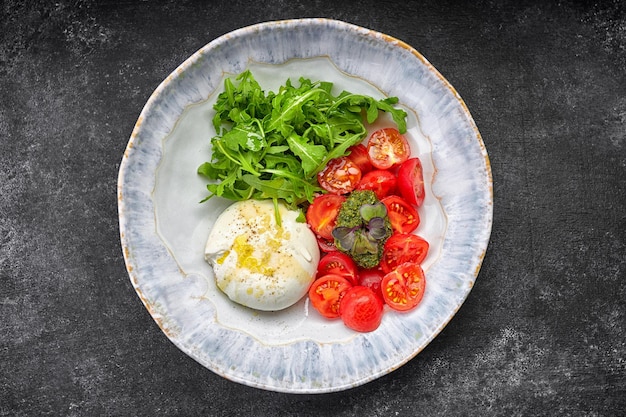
x=543 y=331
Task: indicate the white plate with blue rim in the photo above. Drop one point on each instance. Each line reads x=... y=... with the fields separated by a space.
x=164 y=227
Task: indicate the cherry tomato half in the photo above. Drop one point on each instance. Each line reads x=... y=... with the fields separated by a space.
x=326 y=245
x=401 y=248
x=338 y=263
x=387 y=147
x=322 y=214
x=361 y=309
x=404 y=217
x=403 y=288
x=358 y=155
x=339 y=176
x=326 y=293
x=411 y=181
x=371 y=278
x=381 y=181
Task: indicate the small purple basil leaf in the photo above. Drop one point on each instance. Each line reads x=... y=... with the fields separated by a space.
x=376 y=228
x=364 y=245
x=345 y=237
x=369 y=211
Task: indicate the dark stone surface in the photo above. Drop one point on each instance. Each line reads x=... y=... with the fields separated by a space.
x=543 y=331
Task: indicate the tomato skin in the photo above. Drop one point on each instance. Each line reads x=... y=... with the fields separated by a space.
x=361 y=309
x=401 y=248
x=339 y=176
x=381 y=181
x=322 y=214
x=326 y=245
x=326 y=293
x=358 y=155
x=403 y=288
x=411 y=181
x=404 y=217
x=371 y=278
x=338 y=263
x=387 y=147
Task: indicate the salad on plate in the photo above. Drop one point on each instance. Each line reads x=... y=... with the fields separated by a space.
x=310 y=156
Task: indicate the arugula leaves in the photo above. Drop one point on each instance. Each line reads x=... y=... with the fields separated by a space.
x=272 y=145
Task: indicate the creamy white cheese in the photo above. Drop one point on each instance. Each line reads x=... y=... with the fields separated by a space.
x=257 y=263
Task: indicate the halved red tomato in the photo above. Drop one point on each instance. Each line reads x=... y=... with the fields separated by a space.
x=371 y=278
x=361 y=309
x=326 y=293
x=338 y=263
x=339 y=176
x=401 y=248
x=403 y=288
x=322 y=214
x=358 y=155
x=387 y=147
x=381 y=181
x=326 y=245
x=404 y=217
x=411 y=181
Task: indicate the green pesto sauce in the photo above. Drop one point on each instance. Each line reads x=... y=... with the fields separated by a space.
x=350 y=216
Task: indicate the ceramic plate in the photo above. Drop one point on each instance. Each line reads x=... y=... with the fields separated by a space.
x=163 y=225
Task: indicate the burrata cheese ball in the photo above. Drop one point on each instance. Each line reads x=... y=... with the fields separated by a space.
x=259 y=263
